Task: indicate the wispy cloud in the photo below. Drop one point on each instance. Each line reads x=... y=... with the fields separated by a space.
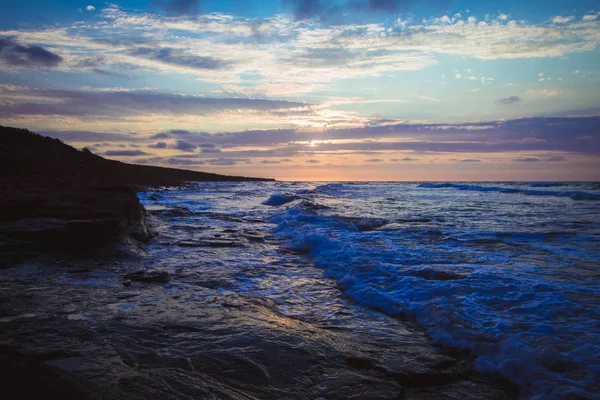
x=124 y=153
x=508 y=100
x=286 y=56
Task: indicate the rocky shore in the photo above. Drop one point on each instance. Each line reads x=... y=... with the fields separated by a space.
x=55 y=198
x=175 y=324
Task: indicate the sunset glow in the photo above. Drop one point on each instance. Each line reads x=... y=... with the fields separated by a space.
x=309 y=90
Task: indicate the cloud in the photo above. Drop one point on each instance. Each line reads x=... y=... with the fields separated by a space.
x=90 y=136
x=95 y=61
x=184 y=146
x=125 y=153
x=210 y=151
x=16 y=55
x=562 y=20
x=555 y=159
x=90 y=8
x=159 y=145
x=279 y=56
x=374 y=160
x=183 y=161
x=545 y=135
x=470 y=160
x=127 y=103
x=224 y=161
x=179 y=57
x=161 y=135
x=508 y=100
x=543 y=92
x=526 y=159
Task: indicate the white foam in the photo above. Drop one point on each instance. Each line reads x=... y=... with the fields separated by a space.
x=540 y=333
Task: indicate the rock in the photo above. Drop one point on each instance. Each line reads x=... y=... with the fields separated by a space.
x=59 y=199
x=155 y=276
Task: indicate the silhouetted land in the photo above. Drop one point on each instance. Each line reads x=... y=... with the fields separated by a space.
x=56 y=198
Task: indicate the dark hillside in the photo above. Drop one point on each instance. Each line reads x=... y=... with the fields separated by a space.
x=28 y=157
x=54 y=197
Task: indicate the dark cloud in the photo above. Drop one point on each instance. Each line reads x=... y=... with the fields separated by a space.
x=404 y=159
x=93 y=62
x=508 y=100
x=183 y=161
x=526 y=159
x=14 y=54
x=125 y=103
x=159 y=145
x=555 y=159
x=225 y=161
x=540 y=134
x=125 y=153
x=179 y=132
x=374 y=160
x=470 y=160
x=312 y=162
x=184 y=146
x=178 y=57
x=87 y=136
x=269 y=162
x=209 y=151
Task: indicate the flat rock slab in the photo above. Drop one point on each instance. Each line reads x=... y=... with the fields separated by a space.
x=190 y=342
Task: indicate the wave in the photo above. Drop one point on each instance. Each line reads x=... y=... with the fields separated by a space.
x=547 y=184
x=279 y=199
x=521 y=328
x=575 y=195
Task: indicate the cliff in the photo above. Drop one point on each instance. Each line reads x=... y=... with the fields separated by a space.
x=54 y=197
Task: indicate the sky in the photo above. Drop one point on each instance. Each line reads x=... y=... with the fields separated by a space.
x=401 y=90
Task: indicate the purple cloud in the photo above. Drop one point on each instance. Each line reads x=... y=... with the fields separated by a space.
x=526 y=159
x=14 y=54
x=125 y=153
x=184 y=146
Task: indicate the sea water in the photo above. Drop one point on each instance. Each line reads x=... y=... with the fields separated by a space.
x=507 y=271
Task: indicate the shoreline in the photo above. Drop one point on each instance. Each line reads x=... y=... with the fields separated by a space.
x=56 y=198
x=224 y=345
x=76 y=220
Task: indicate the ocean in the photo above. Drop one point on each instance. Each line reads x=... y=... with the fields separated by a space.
x=330 y=290
x=508 y=271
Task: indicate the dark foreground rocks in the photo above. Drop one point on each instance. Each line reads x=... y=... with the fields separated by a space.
x=186 y=341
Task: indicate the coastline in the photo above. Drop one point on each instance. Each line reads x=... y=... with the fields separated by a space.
x=79 y=227
x=59 y=199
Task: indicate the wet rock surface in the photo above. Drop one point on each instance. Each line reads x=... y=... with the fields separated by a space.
x=192 y=339
x=157 y=276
